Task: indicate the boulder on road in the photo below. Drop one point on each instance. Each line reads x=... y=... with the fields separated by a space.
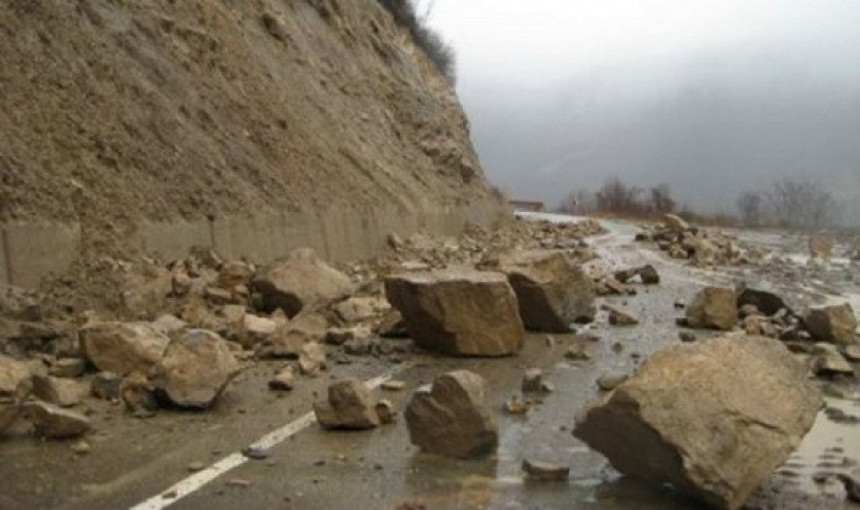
x=834 y=324
x=350 y=405
x=55 y=422
x=299 y=282
x=195 y=369
x=552 y=291
x=123 y=347
x=713 y=418
x=61 y=392
x=765 y=302
x=453 y=418
x=713 y=307
x=459 y=312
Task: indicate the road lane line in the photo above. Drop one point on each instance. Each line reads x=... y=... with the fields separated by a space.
x=196 y=481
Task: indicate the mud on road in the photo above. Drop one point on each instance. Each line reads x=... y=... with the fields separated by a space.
x=133 y=460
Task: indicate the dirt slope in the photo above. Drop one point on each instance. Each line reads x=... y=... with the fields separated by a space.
x=119 y=110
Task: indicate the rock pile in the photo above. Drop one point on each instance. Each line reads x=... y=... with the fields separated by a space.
x=701 y=247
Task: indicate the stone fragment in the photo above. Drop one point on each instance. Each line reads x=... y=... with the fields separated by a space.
x=392 y=325
x=196 y=368
x=619 y=317
x=12 y=374
x=675 y=223
x=516 y=405
x=301 y=281
x=608 y=381
x=764 y=301
x=358 y=309
x=385 y=411
x=713 y=418
x=55 y=422
x=459 y=312
x=713 y=307
x=852 y=352
x=545 y=471
x=453 y=418
x=68 y=368
x=138 y=394
x=123 y=347
x=834 y=324
x=312 y=358
x=256 y=329
x=393 y=385
x=283 y=380
x=350 y=405
x=687 y=336
x=61 y=392
x=532 y=380
x=234 y=273
x=106 y=385
x=551 y=290
x=828 y=362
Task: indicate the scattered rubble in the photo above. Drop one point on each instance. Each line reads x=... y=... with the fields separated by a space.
x=459 y=312
x=453 y=418
x=701 y=247
x=713 y=418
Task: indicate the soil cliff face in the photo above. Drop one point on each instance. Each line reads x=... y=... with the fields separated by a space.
x=116 y=111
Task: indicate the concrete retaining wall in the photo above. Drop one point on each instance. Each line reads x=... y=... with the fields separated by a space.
x=31 y=251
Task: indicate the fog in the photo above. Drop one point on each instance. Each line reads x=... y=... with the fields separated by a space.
x=710 y=97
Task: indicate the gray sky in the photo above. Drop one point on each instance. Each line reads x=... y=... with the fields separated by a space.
x=710 y=96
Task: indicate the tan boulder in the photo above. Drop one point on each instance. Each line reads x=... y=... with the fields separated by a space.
x=834 y=324
x=350 y=405
x=453 y=418
x=55 y=422
x=301 y=281
x=713 y=418
x=12 y=374
x=195 y=369
x=552 y=291
x=675 y=223
x=459 y=311
x=123 y=347
x=61 y=392
x=713 y=307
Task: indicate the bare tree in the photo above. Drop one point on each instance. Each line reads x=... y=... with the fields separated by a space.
x=800 y=204
x=578 y=202
x=618 y=198
x=661 y=199
x=750 y=206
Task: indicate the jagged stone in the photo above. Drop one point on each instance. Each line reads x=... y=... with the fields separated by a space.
x=195 y=369
x=453 y=418
x=61 y=392
x=834 y=324
x=55 y=422
x=123 y=347
x=459 y=312
x=551 y=290
x=713 y=418
x=12 y=374
x=350 y=405
x=312 y=358
x=713 y=307
x=300 y=281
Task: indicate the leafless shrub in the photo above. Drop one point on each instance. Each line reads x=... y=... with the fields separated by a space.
x=750 y=206
x=439 y=51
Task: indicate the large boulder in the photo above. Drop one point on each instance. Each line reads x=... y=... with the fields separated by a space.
x=675 y=223
x=123 y=347
x=301 y=281
x=460 y=312
x=552 y=291
x=350 y=405
x=713 y=419
x=834 y=324
x=453 y=418
x=55 y=422
x=713 y=307
x=195 y=369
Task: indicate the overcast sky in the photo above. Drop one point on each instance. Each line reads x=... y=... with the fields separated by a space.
x=710 y=96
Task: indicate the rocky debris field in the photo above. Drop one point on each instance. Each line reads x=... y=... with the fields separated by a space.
x=733 y=386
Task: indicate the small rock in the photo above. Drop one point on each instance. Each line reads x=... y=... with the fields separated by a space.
x=139 y=395
x=516 y=405
x=283 y=381
x=618 y=317
x=68 y=368
x=256 y=452
x=62 y=392
x=687 y=336
x=544 y=471
x=577 y=352
x=106 y=385
x=453 y=418
x=713 y=307
x=532 y=380
x=312 y=358
x=196 y=466
x=350 y=405
x=385 y=411
x=834 y=324
x=852 y=352
x=81 y=447
x=608 y=381
x=55 y=422
x=393 y=385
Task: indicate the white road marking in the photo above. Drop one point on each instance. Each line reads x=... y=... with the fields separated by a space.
x=196 y=481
